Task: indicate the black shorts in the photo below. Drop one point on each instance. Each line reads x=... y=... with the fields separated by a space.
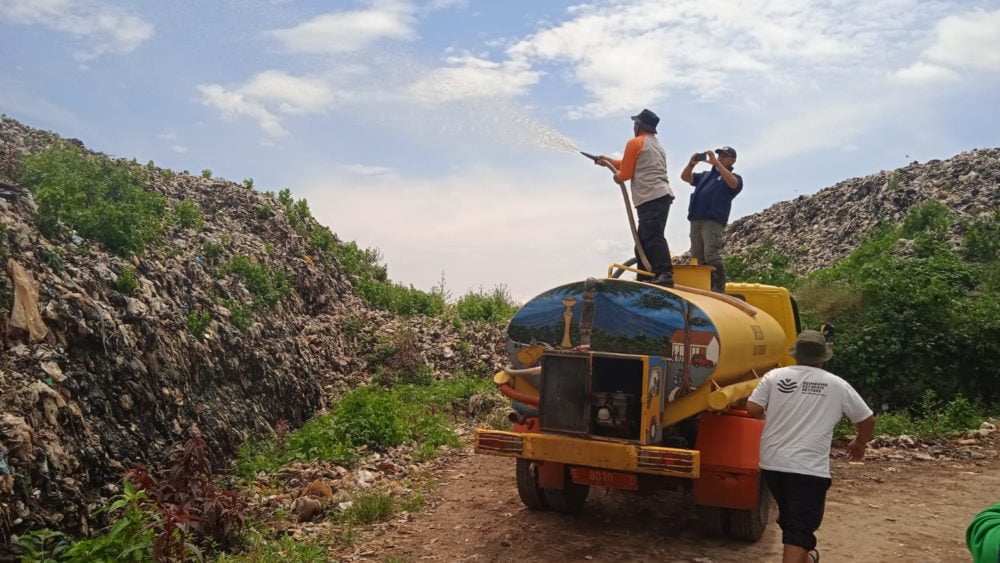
x=800 y=499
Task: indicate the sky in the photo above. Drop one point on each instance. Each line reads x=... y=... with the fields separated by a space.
x=438 y=130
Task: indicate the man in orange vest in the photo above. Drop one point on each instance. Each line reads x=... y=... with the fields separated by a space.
x=645 y=164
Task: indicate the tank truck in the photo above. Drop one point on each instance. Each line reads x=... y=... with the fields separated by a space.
x=629 y=385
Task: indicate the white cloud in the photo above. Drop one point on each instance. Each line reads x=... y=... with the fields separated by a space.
x=636 y=53
x=925 y=73
x=367 y=170
x=468 y=76
x=346 y=31
x=101 y=28
x=266 y=95
x=969 y=42
x=484 y=225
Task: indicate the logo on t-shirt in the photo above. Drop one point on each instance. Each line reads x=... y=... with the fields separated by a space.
x=787 y=385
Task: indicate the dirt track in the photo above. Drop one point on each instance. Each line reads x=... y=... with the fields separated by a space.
x=879 y=511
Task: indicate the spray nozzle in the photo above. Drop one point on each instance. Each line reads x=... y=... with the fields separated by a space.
x=590 y=156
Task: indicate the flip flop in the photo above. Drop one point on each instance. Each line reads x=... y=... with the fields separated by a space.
x=814 y=556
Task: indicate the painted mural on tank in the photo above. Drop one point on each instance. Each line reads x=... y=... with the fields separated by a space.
x=627 y=318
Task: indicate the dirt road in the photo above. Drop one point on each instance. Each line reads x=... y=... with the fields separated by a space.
x=904 y=510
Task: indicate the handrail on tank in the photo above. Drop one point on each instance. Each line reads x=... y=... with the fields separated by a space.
x=728 y=299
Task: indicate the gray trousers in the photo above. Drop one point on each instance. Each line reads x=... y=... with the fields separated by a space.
x=706 y=246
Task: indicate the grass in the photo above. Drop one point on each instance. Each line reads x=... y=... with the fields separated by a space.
x=374 y=417
x=368 y=508
x=261 y=549
x=496 y=306
x=929 y=419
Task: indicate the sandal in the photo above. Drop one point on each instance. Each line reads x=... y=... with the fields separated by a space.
x=814 y=556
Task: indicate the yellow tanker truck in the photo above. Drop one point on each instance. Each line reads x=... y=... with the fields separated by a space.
x=629 y=385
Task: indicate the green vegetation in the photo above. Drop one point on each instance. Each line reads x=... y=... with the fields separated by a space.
x=401 y=299
x=187 y=215
x=179 y=514
x=212 y=250
x=240 y=317
x=260 y=549
x=102 y=199
x=53 y=260
x=248 y=183
x=930 y=418
x=206 y=173
x=197 y=323
x=762 y=265
x=127 y=282
x=496 y=306
x=913 y=313
x=369 y=508
x=373 y=417
x=129 y=538
x=268 y=286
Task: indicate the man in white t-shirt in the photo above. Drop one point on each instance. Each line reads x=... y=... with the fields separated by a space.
x=803 y=403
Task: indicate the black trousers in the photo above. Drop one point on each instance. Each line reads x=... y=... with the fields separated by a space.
x=801 y=500
x=652 y=222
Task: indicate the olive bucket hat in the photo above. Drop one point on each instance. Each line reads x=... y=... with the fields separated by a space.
x=811 y=348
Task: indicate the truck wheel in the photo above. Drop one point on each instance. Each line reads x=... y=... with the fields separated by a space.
x=567 y=500
x=749 y=525
x=712 y=520
x=527 y=485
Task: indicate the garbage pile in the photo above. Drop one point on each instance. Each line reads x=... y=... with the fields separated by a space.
x=818 y=229
x=94 y=380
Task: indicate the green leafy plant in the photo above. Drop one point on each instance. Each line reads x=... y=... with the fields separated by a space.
x=53 y=260
x=187 y=215
x=197 y=323
x=100 y=198
x=206 y=173
x=248 y=183
x=267 y=285
x=127 y=282
x=496 y=306
x=240 y=317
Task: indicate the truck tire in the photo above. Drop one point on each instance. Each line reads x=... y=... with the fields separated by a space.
x=712 y=520
x=569 y=499
x=527 y=485
x=749 y=525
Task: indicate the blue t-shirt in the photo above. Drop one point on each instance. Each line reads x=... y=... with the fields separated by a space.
x=712 y=198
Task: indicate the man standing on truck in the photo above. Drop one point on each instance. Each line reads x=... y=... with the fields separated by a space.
x=645 y=163
x=803 y=403
x=708 y=210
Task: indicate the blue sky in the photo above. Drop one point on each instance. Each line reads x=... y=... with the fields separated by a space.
x=426 y=128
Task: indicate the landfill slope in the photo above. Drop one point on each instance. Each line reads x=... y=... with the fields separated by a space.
x=93 y=381
x=818 y=229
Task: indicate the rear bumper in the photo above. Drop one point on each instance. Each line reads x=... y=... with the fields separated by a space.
x=601 y=454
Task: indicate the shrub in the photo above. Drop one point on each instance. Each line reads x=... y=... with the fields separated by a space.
x=240 y=317
x=268 y=286
x=496 y=306
x=53 y=260
x=398 y=357
x=248 y=183
x=212 y=249
x=127 y=282
x=369 y=416
x=206 y=173
x=982 y=240
x=100 y=198
x=197 y=323
x=187 y=215
x=361 y=263
x=400 y=299
x=763 y=265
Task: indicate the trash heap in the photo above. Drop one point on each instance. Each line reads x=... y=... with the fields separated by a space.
x=818 y=229
x=94 y=380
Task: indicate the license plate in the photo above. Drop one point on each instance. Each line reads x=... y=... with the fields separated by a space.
x=602 y=478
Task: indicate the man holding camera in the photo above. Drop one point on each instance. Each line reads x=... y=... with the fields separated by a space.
x=645 y=164
x=709 y=208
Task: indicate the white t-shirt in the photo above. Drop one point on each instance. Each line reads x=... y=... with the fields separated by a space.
x=803 y=404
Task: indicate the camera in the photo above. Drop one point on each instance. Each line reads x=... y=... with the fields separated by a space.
x=702 y=156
